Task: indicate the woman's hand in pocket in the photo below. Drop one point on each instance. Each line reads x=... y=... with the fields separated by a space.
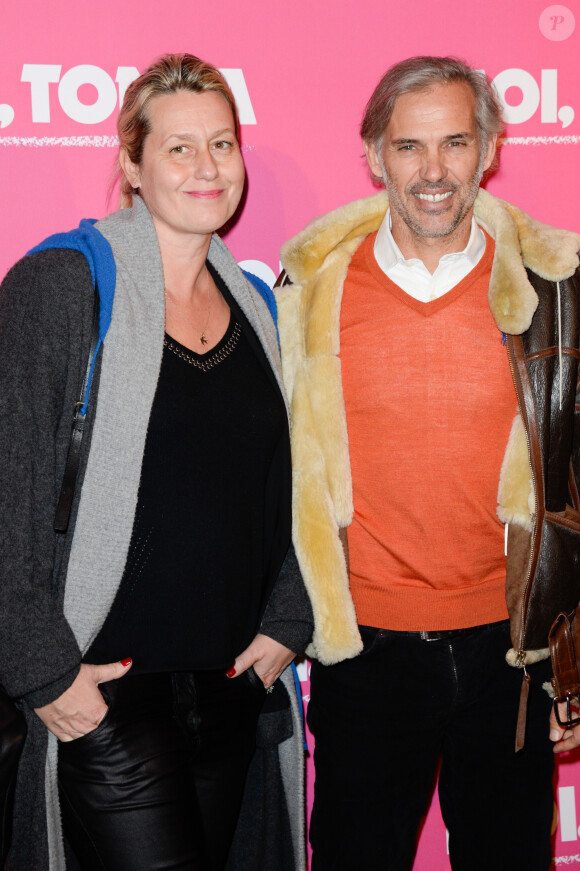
x=81 y=707
x=268 y=657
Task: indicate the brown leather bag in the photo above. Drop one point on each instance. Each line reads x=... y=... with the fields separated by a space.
x=564 y=638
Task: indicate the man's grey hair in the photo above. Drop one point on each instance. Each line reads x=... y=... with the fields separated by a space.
x=420 y=74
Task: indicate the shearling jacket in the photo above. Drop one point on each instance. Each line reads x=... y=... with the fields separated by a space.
x=534 y=296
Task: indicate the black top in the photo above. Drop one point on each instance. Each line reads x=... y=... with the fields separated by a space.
x=193 y=589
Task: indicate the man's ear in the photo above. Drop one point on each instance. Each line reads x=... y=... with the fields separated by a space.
x=372 y=156
x=490 y=150
x=131 y=170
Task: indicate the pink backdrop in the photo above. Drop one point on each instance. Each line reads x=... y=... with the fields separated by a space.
x=302 y=72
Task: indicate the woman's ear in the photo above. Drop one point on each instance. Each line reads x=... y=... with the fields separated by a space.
x=131 y=170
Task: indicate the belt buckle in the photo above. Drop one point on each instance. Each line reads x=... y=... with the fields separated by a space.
x=442 y=635
x=569 y=722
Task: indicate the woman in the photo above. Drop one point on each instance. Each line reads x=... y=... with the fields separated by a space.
x=145 y=637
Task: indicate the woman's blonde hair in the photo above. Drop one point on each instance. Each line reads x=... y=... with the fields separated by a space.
x=167 y=75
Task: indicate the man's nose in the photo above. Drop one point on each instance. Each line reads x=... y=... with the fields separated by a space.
x=433 y=167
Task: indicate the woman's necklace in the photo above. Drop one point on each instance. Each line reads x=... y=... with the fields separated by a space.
x=202 y=337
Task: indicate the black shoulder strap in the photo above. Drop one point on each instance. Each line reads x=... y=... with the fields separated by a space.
x=71 y=469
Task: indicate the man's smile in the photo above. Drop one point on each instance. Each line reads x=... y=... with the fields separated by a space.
x=434 y=198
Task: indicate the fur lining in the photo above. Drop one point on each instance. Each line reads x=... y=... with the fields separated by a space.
x=532 y=656
x=316 y=537
x=550 y=253
x=322 y=488
x=512 y=299
x=316 y=261
x=516 y=502
x=547 y=687
x=519 y=242
x=303 y=255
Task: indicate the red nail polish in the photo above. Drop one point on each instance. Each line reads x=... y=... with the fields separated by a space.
x=126 y=662
x=231 y=672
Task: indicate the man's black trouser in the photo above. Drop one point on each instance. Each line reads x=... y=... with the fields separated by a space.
x=381 y=723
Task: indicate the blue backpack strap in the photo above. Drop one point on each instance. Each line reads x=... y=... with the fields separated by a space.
x=267 y=295
x=88 y=241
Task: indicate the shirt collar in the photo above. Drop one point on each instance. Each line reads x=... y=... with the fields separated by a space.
x=388 y=254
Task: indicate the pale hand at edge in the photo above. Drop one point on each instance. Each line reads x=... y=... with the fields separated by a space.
x=81 y=707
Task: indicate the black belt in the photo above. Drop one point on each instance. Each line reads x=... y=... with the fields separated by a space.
x=447 y=634
x=441 y=634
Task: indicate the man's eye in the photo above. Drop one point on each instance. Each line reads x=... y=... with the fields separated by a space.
x=179 y=149
x=222 y=144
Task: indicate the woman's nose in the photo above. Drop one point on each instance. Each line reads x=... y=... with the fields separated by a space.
x=205 y=165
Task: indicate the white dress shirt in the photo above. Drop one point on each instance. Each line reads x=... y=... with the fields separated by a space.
x=412 y=275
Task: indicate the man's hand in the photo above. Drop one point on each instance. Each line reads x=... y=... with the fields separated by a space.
x=81 y=708
x=268 y=657
x=564 y=739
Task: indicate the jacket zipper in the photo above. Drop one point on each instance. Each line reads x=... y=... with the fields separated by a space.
x=521 y=655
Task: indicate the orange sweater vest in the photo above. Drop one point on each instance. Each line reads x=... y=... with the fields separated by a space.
x=429 y=405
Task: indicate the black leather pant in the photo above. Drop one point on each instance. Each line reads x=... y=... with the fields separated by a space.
x=158 y=784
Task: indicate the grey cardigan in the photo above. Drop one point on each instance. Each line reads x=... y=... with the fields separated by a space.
x=54 y=594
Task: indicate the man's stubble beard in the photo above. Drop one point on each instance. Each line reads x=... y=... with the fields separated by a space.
x=397 y=204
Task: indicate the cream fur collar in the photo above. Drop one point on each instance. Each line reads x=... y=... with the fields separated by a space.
x=520 y=242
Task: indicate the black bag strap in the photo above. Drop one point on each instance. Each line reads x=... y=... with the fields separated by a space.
x=71 y=469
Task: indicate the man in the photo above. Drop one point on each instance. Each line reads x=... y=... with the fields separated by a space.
x=431 y=333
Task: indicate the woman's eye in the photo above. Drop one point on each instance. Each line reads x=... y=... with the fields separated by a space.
x=222 y=145
x=179 y=149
